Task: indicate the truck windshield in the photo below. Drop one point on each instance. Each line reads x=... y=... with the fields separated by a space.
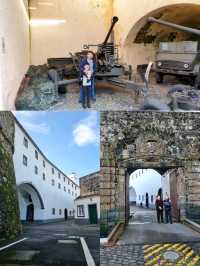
x=179 y=47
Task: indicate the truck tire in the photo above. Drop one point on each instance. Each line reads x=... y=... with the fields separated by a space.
x=159 y=78
x=197 y=82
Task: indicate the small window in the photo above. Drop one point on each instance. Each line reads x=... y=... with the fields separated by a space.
x=53 y=182
x=53 y=211
x=59 y=185
x=36 y=170
x=43 y=176
x=80 y=211
x=68 y=182
x=60 y=212
x=25 y=142
x=65 y=189
x=58 y=175
x=72 y=185
x=64 y=178
x=36 y=155
x=43 y=163
x=69 y=191
x=25 y=160
x=139 y=197
x=52 y=171
x=142 y=197
x=72 y=193
x=75 y=187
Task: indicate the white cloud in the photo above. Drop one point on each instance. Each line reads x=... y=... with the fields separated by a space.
x=86 y=131
x=29 y=121
x=37 y=128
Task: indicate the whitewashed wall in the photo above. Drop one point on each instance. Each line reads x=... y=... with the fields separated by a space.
x=52 y=196
x=145 y=181
x=87 y=201
x=15 y=56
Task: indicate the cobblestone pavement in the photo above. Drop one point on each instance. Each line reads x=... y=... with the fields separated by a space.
x=122 y=255
x=178 y=254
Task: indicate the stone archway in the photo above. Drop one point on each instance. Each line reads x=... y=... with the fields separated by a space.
x=30 y=202
x=160 y=141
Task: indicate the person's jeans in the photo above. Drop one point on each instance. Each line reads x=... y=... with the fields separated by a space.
x=92 y=92
x=160 y=216
x=86 y=96
x=168 y=216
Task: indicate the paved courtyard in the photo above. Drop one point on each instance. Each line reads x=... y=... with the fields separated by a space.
x=58 y=244
x=145 y=242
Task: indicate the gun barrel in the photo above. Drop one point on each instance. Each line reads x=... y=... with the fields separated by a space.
x=114 y=21
x=175 y=26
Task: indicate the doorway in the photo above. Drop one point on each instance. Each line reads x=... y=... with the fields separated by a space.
x=92 y=210
x=30 y=213
x=66 y=214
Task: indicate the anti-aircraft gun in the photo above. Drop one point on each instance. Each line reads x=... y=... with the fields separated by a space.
x=180 y=59
x=61 y=70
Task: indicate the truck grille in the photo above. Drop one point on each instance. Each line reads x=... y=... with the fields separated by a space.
x=175 y=65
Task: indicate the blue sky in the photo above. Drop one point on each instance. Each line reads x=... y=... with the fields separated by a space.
x=69 y=139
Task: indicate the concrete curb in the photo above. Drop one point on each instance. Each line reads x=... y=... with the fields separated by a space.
x=88 y=256
x=192 y=225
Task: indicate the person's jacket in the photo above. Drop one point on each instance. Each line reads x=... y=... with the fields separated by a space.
x=159 y=203
x=167 y=205
x=85 y=62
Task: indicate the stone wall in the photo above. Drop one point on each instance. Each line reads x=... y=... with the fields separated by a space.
x=10 y=225
x=160 y=141
x=89 y=185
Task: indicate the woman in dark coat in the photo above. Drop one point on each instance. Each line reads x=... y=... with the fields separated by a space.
x=90 y=59
x=159 y=209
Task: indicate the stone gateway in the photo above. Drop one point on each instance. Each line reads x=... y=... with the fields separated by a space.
x=166 y=142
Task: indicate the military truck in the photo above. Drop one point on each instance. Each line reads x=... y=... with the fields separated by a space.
x=180 y=59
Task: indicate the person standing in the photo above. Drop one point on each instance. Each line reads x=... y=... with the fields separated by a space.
x=86 y=85
x=168 y=210
x=90 y=59
x=159 y=209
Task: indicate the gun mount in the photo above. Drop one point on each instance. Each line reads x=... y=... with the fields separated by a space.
x=65 y=71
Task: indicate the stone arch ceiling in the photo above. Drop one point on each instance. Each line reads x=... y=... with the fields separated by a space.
x=186 y=15
x=133 y=15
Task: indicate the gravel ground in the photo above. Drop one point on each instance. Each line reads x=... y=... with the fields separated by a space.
x=108 y=98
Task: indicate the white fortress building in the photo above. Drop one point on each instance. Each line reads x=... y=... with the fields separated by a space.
x=45 y=192
x=143 y=187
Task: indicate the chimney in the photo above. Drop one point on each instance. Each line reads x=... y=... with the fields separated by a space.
x=73 y=177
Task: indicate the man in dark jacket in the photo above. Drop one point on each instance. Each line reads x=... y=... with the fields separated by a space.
x=168 y=210
x=159 y=209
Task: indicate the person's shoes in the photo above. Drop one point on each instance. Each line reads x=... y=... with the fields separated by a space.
x=89 y=105
x=84 y=106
